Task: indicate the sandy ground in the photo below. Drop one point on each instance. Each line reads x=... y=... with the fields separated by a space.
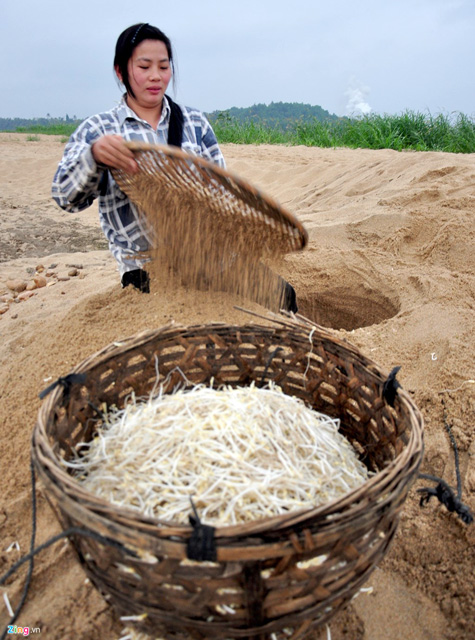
x=390 y=266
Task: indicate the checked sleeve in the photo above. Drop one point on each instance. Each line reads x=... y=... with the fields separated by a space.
x=78 y=178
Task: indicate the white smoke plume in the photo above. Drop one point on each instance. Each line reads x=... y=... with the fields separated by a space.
x=357 y=104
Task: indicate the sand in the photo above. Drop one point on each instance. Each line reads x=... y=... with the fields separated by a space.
x=390 y=267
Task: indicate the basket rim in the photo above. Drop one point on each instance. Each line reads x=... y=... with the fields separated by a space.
x=165 y=528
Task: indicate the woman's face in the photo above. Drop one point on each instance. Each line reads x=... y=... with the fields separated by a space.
x=149 y=73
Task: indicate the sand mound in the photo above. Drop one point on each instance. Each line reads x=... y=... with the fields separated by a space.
x=390 y=266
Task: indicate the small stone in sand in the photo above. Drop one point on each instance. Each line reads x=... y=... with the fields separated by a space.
x=16 y=285
x=40 y=281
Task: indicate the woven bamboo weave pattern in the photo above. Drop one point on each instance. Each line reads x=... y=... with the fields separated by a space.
x=261 y=582
x=170 y=176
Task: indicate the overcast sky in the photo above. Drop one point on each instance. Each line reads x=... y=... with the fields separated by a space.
x=346 y=56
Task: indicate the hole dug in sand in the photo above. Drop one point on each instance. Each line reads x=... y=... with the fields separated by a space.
x=347 y=307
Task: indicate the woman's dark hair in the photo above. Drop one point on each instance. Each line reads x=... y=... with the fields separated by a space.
x=127 y=42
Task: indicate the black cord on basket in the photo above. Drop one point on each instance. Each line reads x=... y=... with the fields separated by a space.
x=29 y=557
x=456 y=454
x=443 y=492
x=446 y=496
x=66 y=382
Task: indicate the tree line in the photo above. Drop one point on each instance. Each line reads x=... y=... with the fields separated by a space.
x=17 y=124
x=282 y=115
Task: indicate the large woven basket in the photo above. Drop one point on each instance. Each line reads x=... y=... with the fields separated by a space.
x=260 y=582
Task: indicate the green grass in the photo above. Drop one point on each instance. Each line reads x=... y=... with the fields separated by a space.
x=231 y=130
x=409 y=130
x=60 y=129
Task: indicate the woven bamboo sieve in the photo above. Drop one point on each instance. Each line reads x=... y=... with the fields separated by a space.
x=169 y=177
x=260 y=582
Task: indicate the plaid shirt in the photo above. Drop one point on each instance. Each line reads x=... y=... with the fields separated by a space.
x=79 y=180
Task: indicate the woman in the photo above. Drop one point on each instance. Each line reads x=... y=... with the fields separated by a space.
x=143 y=64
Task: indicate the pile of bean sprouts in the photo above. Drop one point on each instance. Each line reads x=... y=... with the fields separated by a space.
x=239 y=453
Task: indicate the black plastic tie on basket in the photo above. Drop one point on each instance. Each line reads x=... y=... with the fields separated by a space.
x=201 y=545
x=390 y=387
x=66 y=382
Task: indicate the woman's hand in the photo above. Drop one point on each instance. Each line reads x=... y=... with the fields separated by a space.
x=112 y=151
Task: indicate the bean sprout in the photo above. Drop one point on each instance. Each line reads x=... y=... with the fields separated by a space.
x=241 y=453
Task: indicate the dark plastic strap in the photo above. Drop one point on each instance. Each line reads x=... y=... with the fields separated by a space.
x=66 y=382
x=391 y=386
x=176 y=124
x=201 y=545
